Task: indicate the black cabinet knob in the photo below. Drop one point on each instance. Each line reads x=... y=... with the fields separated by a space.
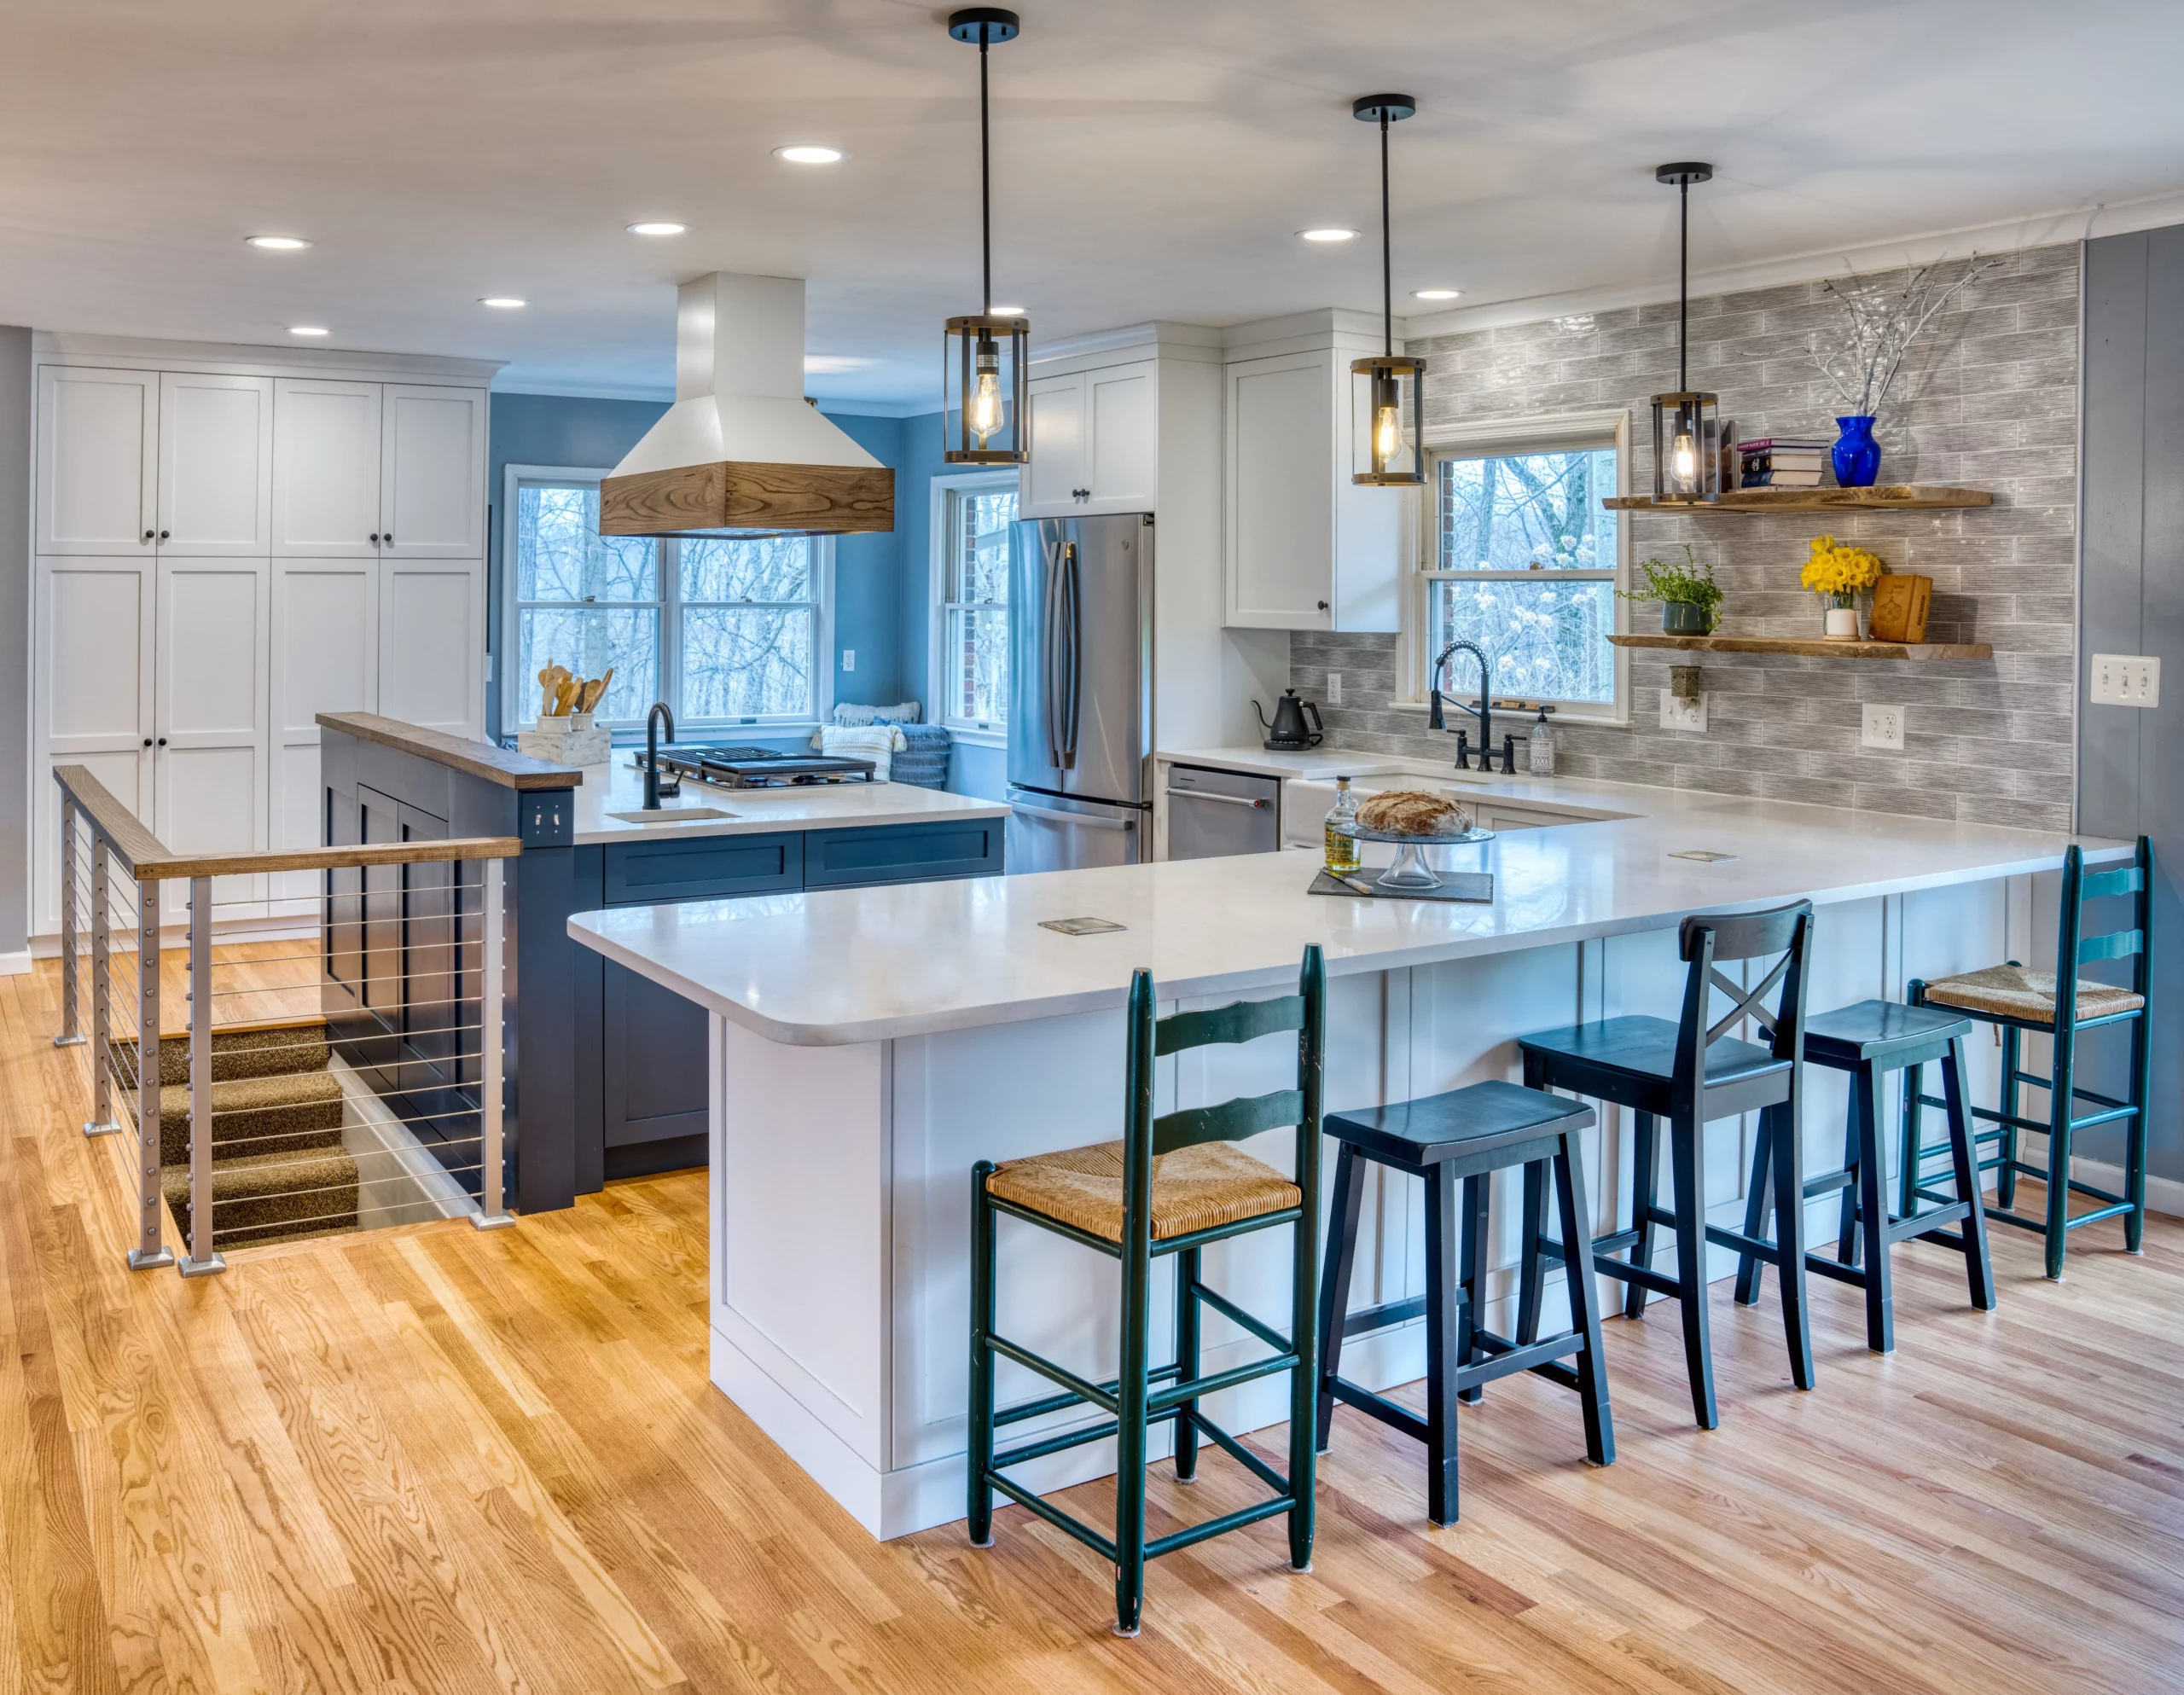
x=1323 y=605
x=148 y=741
x=147 y=537
x=388 y=538
x=164 y=534
x=375 y=538
x=163 y=741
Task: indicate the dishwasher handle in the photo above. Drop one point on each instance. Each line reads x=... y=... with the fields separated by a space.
x=1225 y=800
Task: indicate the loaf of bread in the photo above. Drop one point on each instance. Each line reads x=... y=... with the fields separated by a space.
x=1410 y=812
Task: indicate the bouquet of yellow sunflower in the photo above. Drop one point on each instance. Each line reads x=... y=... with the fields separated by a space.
x=1838 y=572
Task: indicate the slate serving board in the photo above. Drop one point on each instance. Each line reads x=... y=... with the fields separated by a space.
x=1476 y=886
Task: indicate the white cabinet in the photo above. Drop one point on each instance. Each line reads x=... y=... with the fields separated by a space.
x=432 y=616
x=1304 y=547
x=211 y=716
x=216 y=465
x=97 y=485
x=325 y=659
x=1096 y=442
x=325 y=468
x=432 y=458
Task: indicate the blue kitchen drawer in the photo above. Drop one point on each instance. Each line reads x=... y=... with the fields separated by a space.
x=701 y=868
x=912 y=853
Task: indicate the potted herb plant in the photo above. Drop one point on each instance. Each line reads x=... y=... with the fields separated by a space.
x=1691 y=600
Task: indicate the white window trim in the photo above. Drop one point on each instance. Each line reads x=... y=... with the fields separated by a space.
x=519 y=694
x=965 y=730
x=1561 y=431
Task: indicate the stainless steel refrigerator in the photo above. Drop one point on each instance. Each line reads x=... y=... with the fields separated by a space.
x=1080 y=692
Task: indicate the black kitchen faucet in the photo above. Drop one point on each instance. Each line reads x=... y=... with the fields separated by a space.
x=1484 y=711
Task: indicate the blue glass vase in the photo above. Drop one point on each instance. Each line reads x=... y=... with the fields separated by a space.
x=1857 y=454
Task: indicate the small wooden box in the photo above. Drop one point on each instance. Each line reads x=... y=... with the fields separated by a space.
x=1900 y=607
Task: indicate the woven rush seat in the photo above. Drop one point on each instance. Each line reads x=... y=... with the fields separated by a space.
x=2011 y=991
x=1193 y=1188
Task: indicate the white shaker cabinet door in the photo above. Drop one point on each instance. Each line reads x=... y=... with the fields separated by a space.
x=216 y=465
x=1280 y=534
x=325 y=659
x=431 y=644
x=1057 y=468
x=97 y=441
x=213 y=717
x=326 y=469
x=91 y=700
x=1123 y=428
x=433 y=473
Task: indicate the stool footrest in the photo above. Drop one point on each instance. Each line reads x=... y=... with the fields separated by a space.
x=1054 y=1403
x=1511 y=1357
x=1925 y=1223
x=1758 y=1246
x=1827 y=1183
x=1389 y=1312
x=1659 y=1282
x=1242 y=1319
x=1821 y=1265
x=1007 y=1457
x=1379 y=1406
x=1177 y=1393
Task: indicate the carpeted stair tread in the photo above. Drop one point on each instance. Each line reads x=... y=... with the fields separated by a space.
x=255 y=1116
x=273 y=1050
x=268 y=1196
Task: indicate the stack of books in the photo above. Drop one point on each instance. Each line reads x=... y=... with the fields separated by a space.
x=1780 y=462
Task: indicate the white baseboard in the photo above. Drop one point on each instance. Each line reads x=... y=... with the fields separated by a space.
x=2165 y=1195
x=15 y=965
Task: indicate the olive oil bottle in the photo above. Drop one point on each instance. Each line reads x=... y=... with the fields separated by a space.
x=1341 y=844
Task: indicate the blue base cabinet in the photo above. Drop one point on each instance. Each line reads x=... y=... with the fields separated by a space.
x=640 y=1052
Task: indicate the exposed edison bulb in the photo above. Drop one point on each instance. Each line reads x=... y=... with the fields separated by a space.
x=1387 y=435
x=1683 y=461
x=986 y=408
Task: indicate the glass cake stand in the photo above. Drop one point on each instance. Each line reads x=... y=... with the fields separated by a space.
x=1410 y=871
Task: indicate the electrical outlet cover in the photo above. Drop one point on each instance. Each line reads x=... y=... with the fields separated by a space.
x=2126 y=680
x=848 y=659
x=1334 y=688
x=1884 y=728
x=1689 y=716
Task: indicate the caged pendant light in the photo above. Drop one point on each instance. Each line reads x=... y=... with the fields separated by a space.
x=983 y=419
x=1387 y=398
x=1687 y=425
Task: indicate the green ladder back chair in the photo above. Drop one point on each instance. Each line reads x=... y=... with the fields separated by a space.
x=2019 y=1001
x=1170 y=1186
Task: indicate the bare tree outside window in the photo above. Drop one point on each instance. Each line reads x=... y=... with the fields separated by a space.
x=974 y=594
x=1525 y=568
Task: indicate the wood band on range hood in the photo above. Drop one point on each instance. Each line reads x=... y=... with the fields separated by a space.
x=750 y=499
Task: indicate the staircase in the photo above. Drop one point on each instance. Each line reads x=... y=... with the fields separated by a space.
x=279 y=1171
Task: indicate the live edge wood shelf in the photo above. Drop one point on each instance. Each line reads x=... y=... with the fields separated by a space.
x=1886 y=497
x=1812 y=647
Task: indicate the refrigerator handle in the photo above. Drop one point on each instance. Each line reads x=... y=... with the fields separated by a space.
x=1046 y=614
x=1073 y=612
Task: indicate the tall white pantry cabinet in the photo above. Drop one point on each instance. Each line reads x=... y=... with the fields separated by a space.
x=229 y=542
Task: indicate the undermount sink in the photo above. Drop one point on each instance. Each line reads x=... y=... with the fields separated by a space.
x=672 y=814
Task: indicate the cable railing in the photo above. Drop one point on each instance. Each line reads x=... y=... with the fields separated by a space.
x=316 y=1082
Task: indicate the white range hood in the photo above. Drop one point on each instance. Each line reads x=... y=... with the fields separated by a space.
x=741 y=452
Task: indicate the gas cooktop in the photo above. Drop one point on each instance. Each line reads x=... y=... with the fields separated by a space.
x=757 y=768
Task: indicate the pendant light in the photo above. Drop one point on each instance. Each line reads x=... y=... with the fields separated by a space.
x=1386 y=426
x=982 y=417
x=1687 y=427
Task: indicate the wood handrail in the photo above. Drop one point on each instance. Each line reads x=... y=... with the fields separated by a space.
x=149 y=859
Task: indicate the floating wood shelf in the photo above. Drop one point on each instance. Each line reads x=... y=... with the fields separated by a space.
x=1885 y=497
x=1814 y=648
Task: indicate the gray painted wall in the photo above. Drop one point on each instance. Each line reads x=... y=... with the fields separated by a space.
x=1990 y=400
x=15 y=393
x=2131 y=758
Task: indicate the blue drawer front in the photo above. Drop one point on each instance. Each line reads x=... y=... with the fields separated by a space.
x=704 y=867
x=969 y=847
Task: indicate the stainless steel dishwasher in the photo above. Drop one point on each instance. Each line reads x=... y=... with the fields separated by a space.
x=1213 y=814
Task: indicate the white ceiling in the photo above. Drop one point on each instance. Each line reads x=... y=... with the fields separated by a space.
x=1152 y=159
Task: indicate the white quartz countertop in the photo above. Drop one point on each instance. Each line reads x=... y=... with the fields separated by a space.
x=620 y=787
x=862 y=964
x=1388 y=771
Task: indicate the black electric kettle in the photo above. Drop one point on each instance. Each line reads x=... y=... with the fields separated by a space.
x=1287 y=730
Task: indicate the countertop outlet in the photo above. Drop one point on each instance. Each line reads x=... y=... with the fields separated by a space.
x=1884 y=728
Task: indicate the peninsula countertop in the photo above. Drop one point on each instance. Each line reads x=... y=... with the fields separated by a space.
x=620 y=787
x=865 y=965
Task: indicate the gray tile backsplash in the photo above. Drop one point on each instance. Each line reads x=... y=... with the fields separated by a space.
x=1988 y=400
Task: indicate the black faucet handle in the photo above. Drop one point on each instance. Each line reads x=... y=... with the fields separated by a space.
x=1463 y=750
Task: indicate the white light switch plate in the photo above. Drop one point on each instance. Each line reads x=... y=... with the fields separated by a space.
x=1334 y=688
x=1884 y=728
x=1683 y=715
x=2126 y=680
x=848 y=659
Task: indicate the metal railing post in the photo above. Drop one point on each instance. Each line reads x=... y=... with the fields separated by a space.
x=102 y=1121
x=71 y=1030
x=203 y=1259
x=150 y=1252
x=492 y=1035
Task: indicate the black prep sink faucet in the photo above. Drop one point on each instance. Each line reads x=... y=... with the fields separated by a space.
x=1484 y=711
x=652 y=753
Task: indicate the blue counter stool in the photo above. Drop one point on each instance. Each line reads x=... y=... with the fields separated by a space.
x=1870 y=1040
x=1691 y=1072
x=2019 y=1001
x=1170 y=1187
x=1469 y=1133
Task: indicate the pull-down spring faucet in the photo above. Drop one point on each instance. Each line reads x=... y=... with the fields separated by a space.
x=1484 y=711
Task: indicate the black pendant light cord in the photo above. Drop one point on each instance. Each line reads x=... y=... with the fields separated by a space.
x=986 y=180
x=1387 y=262
x=1683 y=285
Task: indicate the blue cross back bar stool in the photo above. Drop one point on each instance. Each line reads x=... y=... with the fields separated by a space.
x=1869 y=1040
x=1173 y=1184
x=2020 y=1002
x=1470 y=1134
x=1691 y=1072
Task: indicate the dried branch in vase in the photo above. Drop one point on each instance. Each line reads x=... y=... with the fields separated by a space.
x=1877 y=328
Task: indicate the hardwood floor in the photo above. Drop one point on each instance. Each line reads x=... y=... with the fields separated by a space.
x=431 y=1459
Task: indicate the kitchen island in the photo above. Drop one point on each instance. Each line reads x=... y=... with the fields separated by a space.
x=868 y=1046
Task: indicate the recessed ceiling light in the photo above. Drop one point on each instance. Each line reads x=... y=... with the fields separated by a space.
x=309 y=329
x=504 y=303
x=660 y=228
x=1437 y=294
x=278 y=244
x=1329 y=235
x=810 y=155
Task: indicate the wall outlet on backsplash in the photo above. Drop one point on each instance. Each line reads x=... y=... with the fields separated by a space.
x=1683 y=715
x=1884 y=728
x=1334 y=688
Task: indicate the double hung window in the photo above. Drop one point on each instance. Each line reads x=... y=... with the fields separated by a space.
x=974 y=523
